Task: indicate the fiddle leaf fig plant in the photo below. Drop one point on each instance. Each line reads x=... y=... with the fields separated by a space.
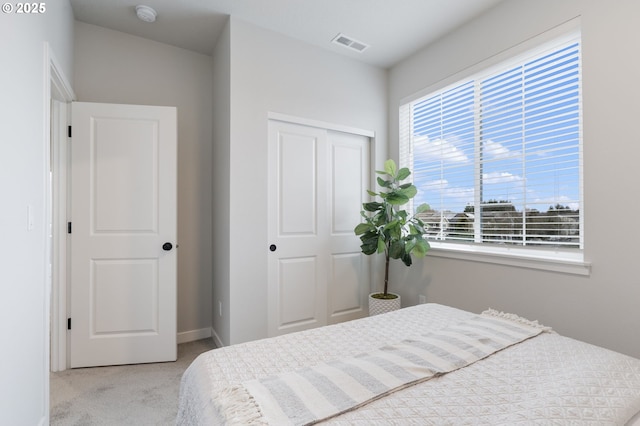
x=387 y=228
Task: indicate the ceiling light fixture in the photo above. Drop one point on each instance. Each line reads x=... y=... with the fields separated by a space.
x=145 y=13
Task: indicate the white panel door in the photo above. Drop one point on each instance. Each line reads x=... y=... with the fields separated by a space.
x=348 y=170
x=317 y=183
x=123 y=240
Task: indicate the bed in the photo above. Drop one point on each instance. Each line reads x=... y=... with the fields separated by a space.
x=544 y=378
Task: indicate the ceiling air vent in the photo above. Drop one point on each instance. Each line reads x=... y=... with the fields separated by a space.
x=349 y=42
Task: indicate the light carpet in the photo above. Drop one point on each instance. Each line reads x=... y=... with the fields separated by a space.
x=144 y=394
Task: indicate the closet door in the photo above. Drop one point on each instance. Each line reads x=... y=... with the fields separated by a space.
x=348 y=283
x=317 y=183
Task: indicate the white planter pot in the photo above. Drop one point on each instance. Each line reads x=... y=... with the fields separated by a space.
x=381 y=306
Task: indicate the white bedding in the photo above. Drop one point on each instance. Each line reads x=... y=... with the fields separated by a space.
x=547 y=379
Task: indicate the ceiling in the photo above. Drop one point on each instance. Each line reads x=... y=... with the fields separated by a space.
x=394 y=29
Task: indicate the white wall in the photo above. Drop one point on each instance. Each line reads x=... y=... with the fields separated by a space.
x=273 y=73
x=115 y=67
x=603 y=308
x=221 y=186
x=25 y=295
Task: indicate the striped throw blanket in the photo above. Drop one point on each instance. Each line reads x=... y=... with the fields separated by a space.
x=320 y=392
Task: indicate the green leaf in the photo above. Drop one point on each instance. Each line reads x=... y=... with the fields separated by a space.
x=396 y=251
x=390 y=167
x=403 y=173
x=410 y=245
x=410 y=191
x=421 y=248
x=383 y=183
x=395 y=233
x=368 y=248
x=397 y=198
x=381 y=245
x=417 y=227
x=372 y=206
x=373 y=194
x=361 y=228
x=369 y=242
x=391 y=225
x=423 y=208
x=379 y=219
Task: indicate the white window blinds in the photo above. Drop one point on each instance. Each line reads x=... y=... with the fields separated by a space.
x=498 y=156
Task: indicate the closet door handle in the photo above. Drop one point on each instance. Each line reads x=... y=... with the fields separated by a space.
x=272 y=247
x=167 y=246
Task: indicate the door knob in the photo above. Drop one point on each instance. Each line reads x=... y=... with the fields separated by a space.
x=272 y=247
x=167 y=246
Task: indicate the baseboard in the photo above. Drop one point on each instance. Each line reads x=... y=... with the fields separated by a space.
x=216 y=339
x=190 y=336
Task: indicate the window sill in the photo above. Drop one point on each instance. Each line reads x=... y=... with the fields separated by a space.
x=556 y=261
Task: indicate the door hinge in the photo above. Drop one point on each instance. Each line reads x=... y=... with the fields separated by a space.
x=68 y=323
x=68 y=227
x=69 y=131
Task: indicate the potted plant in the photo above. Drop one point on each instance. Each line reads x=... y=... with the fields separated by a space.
x=390 y=230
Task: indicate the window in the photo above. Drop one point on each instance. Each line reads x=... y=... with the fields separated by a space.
x=498 y=156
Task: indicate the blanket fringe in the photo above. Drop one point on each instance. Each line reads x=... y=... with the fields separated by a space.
x=238 y=407
x=516 y=318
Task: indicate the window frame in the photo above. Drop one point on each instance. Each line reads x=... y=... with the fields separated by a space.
x=566 y=260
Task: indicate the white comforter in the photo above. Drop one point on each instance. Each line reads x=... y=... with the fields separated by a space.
x=548 y=379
